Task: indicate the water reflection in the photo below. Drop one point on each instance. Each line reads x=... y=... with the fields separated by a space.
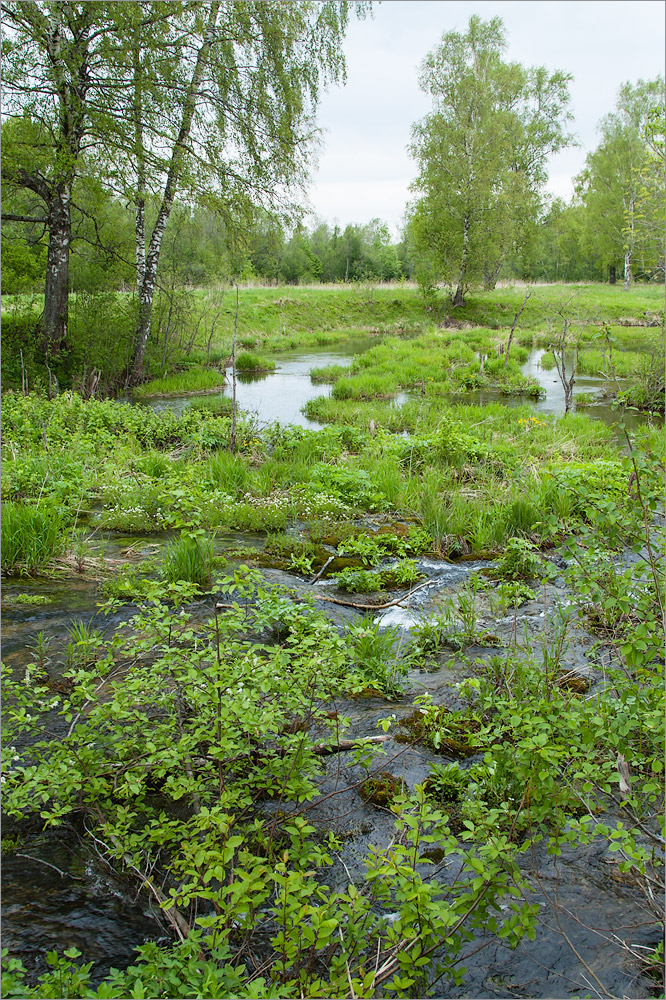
x=281 y=395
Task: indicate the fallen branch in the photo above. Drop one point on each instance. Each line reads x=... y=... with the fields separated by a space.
x=40 y=861
x=371 y=607
x=327 y=563
x=325 y=749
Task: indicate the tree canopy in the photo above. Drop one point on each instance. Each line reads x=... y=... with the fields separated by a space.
x=622 y=185
x=481 y=154
x=215 y=99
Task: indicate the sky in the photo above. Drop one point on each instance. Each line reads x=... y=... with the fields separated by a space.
x=363 y=170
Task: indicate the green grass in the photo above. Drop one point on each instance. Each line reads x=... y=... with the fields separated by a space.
x=31 y=537
x=188 y=559
x=230 y=473
x=194 y=380
x=248 y=361
x=218 y=406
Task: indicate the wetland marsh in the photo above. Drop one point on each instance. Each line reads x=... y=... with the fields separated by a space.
x=366 y=681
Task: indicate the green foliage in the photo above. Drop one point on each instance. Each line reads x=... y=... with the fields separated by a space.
x=478 y=201
x=373 y=548
x=513 y=593
x=352 y=486
x=212 y=405
x=402 y=574
x=247 y=361
x=193 y=380
x=447 y=782
x=520 y=560
x=215 y=691
x=622 y=188
x=373 y=651
x=29 y=599
x=429 y=635
x=229 y=472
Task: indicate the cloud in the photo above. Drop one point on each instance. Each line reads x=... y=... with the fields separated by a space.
x=364 y=168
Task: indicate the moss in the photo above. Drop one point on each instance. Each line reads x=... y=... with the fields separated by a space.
x=9 y=844
x=443 y=731
x=382 y=789
x=573 y=682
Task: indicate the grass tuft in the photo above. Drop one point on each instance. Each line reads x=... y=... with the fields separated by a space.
x=31 y=537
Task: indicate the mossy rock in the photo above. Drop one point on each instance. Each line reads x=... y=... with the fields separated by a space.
x=455 y=822
x=572 y=681
x=382 y=789
x=443 y=731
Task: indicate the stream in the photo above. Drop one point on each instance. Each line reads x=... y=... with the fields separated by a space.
x=280 y=395
x=57 y=892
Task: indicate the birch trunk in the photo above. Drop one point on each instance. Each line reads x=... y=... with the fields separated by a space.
x=627 y=270
x=146 y=281
x=459 y=297
x=56 y=292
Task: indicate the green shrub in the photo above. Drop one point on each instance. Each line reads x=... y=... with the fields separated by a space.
x=446 y=782
x=374 y=655
x=352 y=485
x=520 y=560
x=402 y=574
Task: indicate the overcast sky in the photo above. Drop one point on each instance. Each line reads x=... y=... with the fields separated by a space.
x=364 y=170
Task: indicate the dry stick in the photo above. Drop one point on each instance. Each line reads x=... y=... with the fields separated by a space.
x=233 y=378
x=515 y=324
x=40 y=861
x=327 y=563
x=325 y=749
x=371 y=607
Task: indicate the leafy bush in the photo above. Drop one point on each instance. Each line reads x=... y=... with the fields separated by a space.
x=213 y=721
x=351 y=485
x=359 y=581
x=401 y=574
x=520 y=560
x=513 y=593
x=447 y=782
x=373 y=651
x=373 y=548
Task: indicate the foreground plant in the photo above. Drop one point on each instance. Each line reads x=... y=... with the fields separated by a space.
x=169 y=777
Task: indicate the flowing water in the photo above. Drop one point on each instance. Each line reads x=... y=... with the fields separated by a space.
x=280 y=395
x=58 y=893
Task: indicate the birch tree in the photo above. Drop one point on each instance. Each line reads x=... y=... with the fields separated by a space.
x=622 y=185
x=481 y=154
x=247 y=79
x=48 y=50
x=211 y=102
